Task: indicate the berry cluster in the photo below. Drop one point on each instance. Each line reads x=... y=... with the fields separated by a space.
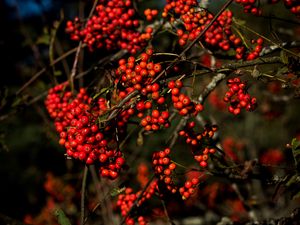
x=137 y=75
x=249 y=7
x=128 y=200
x=218 y=36
x=150 y=14
x=215 y=101
x=76 y=121
x=133 y=75
x=59 y=190
x=189 y=188
x=182 y=102
x=272 y=157
x=238 y=97
x=257 y=49
x=293 y=6
x=113 y=27
x=177 y=8
x=233 y=149
x=142 y=174
x=200 y=142
x=156 y=120
x=163 y=168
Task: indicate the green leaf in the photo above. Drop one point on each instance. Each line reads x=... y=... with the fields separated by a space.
x=140 y=138
x=282 y=70
x=255 y=73
x=292 y=180
x=61 y=217
x=284 y=57
x=117 y=191
x=57 y=73
x=102 y=91
x=239 y=21
x=44 y=39
x=295 y=144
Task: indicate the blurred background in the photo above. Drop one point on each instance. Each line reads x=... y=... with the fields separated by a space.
x=28 y=142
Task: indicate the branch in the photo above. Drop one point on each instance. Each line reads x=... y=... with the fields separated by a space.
x=211 y=86
x=38 y=74
x=85 y=172
x=75 y=63
x=258 y=61
x=272 y=48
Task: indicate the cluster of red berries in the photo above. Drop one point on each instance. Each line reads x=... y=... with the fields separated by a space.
x=163 y=168
x=199 y=141
x=272 y=157
x=133 y=75
x=233 y=148
x=137 y=75
x=156 y=120
x=113 y=27
x=218 y=36
x=150 y=14
x=257 y=49
x=182 y=102
x=189 y=188
x=249 y=7
x=59 y=190
x=75 y=119
x=177 y=8
x=238 y=97
x=217 y=102
x=128 y=200
x=293 y=6
x=142 y=174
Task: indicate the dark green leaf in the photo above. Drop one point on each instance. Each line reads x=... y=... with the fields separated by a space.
x=102 y=91
x=284 y=57
x=117 y=191
x=61 y=217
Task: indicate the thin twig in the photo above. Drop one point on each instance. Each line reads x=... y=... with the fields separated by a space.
x=38 y=74
x=75 y=63
x=211 y=86
x=179 y=126
x=166 y=211
x=82 y=202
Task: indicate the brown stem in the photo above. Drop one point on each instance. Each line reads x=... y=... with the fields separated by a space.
x=38 y=74
x=82 y=202
x=75 y=63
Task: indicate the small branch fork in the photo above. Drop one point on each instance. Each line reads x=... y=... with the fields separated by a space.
x=75 y=63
